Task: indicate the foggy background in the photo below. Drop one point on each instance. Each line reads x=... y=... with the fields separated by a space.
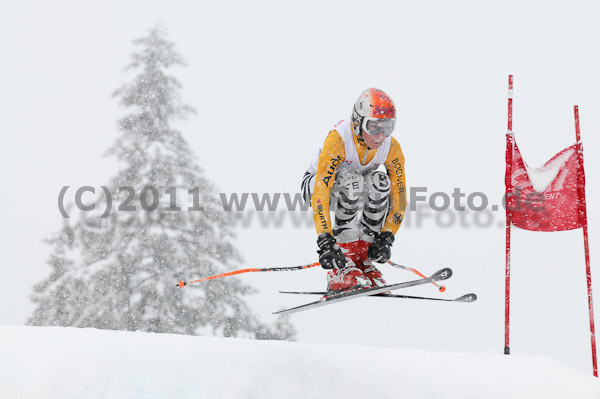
x=268 y=80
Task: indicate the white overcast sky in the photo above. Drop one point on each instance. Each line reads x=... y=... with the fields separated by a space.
x=268 y=79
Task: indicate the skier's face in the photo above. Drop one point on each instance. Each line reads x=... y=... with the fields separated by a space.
x=373 y=140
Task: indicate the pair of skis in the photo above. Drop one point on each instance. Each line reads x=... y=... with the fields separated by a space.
x=334 y=297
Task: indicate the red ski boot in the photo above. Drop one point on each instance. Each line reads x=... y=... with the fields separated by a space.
x=346 y=278
x=357 y=254
x=352 y=275
x=361 y=258
x=373 y=274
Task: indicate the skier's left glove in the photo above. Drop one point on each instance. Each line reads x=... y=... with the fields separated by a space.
x=381 y=249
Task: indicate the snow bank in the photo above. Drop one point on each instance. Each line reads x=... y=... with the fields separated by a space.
x=59 y=363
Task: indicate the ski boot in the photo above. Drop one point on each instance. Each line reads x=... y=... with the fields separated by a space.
x=374 y=275
x=347 y=278
x=352 y=275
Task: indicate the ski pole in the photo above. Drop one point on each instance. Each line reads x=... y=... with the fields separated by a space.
x=182 y=283
x=418 y=273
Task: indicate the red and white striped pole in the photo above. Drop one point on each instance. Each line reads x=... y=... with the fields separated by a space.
x=508 y=204
x=583 y=216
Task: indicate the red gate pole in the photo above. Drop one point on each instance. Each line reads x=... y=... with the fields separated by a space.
x=583 y=216
x=507 y=203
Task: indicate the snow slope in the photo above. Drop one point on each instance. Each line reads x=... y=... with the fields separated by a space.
x=59 y=363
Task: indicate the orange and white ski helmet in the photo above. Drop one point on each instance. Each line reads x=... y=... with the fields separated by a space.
x=374 y=112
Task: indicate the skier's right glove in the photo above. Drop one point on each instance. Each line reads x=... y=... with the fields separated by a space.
x=330 y=254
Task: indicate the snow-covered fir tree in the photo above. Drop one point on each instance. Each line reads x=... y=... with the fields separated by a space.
x=120 y=271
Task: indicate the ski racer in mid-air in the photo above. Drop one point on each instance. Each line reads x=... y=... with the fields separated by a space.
x=370 y=204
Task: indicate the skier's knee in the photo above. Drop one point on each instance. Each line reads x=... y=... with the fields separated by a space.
x=377 y=185
x=349 y=186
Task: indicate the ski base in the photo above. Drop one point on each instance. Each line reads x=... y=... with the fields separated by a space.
x=330 y=298
x=465 y=298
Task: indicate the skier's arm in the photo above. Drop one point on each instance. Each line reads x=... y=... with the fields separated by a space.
x=332 y=155
x=394 y=164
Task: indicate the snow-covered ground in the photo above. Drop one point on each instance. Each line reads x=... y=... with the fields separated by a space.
x=62 y=363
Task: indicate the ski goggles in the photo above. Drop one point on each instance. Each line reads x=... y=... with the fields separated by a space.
x=376 y=126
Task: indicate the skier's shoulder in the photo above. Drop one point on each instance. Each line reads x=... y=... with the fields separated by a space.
x=334 y=136
x=395 y=152
x=334 y=146
x=335 y=139
x=343 y=128
x=395 y=143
